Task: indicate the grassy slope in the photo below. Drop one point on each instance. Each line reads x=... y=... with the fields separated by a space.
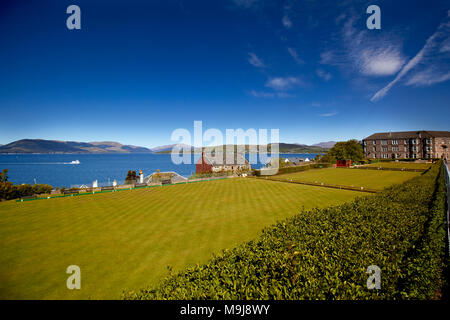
x=125 y=240
x=375 y=179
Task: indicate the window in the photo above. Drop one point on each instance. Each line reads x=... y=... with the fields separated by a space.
x=394 y=148
x=374 y=141
x=384 y=149
x=384 y=142
x=374 y=148
x=385 y=155
x=405 y=141
x=374 y=155
x=394 y=141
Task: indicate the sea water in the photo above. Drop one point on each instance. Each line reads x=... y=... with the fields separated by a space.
x=59 y=171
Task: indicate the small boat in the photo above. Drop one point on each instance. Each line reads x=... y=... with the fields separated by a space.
x=75 y=162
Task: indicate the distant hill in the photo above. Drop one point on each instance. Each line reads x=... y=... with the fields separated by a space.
x=328 y=144
x=300 y=148
x=168 y=148
x=283 y=148
x=54 y=146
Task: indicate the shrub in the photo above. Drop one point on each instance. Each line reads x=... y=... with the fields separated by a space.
x=324 y=254
x=303 y=167
x=10 y=191
x=211 y=174
x=41 y=188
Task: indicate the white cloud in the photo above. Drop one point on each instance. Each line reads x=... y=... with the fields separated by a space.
x=363 y=52
x=255 y=61
x=428 y=77
x=330 y=57
x=283 y=83
x=323 y=74
x=261 y=94
x=286 y=21
x=294 y=55
x=331 y=114
x=432 y=63
x=382 y=62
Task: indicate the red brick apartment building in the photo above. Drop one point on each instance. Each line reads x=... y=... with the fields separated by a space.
x=408 y=144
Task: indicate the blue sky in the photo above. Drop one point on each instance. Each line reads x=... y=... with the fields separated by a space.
x=137 y=70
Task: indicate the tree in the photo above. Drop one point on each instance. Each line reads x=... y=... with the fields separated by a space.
x=4 y=175
x=131 y=177
x=345 y=150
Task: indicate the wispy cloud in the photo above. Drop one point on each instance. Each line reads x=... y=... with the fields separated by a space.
x=255 y=61
x=340 y=18
x=283 y=83
x=245 y=3
x=381 y=62
x=294 y=55
x=432 y=60
x=286 y=21
x=368 y=55
x=327 y=57
x=323 y=74
x=428 y=77
x=265 y=94
x=331 y=114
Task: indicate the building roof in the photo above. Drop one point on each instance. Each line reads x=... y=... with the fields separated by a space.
x=227 y=159
x=408 y=134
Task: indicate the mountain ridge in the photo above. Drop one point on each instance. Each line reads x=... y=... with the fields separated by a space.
x=57 y=146
x=282 y=147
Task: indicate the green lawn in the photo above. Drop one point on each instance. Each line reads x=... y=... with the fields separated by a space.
x=396 y=165
x=125 y=240
x=373 y=179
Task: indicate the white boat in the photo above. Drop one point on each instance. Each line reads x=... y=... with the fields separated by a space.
x=75 y=162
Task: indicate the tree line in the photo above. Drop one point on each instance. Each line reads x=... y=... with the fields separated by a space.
x=9 y=191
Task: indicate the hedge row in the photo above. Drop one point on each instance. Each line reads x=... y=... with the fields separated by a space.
x=10 y=191
x=429 y=252
x=324 y=254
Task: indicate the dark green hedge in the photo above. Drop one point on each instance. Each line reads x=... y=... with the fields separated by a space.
x=10 y=191
x=324 y=254
x=303 y=168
